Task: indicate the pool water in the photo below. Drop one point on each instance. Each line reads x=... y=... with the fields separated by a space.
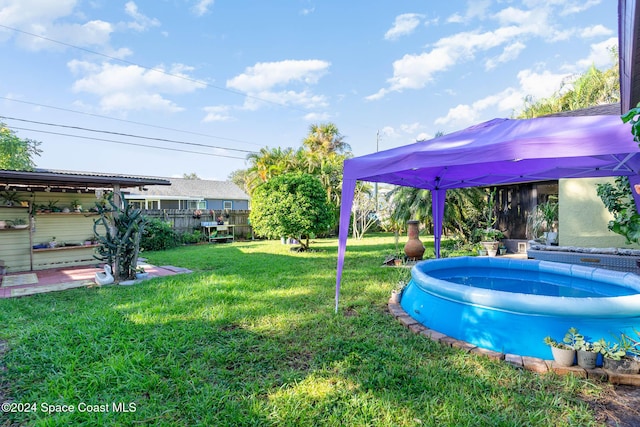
x=530 y=282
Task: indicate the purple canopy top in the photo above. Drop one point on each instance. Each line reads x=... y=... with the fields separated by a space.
x=500 y=151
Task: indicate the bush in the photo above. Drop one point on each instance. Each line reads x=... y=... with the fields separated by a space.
x=158 y=235
x=195 y=236
x=291 y=205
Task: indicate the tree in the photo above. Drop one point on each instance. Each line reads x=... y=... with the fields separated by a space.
x=462 y=210
x=595 y=87
x=291 y=205
x=363 y=210
x=239 y=177
x=325 y=139
x=268 y=163
x=17 y=153
x=191 y=175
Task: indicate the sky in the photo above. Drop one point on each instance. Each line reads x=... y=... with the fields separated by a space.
x=165 y=88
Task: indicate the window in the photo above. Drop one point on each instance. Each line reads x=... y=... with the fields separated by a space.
x=137 y=204
x=227 y=205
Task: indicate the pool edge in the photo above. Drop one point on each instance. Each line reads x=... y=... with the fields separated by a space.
x=532 y=364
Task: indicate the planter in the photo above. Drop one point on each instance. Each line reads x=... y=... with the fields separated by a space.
x=551 y=237
x=482 y=252
x=587 y=359
x=503 y=251
x=395 y=296
x=414 y=249
x=625 y=365
x=3 y=224
x=563 y=357
x=491 y=247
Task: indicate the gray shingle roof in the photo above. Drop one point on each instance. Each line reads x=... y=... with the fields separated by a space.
x=195 y=188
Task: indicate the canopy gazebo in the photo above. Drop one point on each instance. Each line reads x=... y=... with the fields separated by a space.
x=500 y=151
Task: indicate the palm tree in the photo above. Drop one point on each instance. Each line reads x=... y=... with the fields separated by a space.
x=325 y=139
x=268 y=163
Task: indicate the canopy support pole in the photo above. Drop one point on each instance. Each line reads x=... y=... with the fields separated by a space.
x=438 y=198
x=348 y=188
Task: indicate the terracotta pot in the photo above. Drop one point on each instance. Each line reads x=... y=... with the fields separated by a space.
x=414 y=249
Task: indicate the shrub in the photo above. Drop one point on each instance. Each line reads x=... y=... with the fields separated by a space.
x=158 y=235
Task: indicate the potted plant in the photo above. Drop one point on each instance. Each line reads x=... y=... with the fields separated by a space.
x=615 y=357
x=10 y=198
x=490 y=239
x=141 y=274
x=549 y=213
x=75 y=204
x=586 y=351
x=563 y=353
x=52 y=242
x=480 y=250
x=502 y=249
x=19 y=223
x=489 y=236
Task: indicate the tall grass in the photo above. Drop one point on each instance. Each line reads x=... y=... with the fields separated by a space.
x=250 y=338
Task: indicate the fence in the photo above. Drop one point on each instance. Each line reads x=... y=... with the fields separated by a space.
x=184 y=221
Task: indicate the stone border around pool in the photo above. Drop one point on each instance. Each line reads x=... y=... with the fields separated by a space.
x=533 y=364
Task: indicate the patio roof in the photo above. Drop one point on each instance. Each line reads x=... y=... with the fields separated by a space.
x=58 y=180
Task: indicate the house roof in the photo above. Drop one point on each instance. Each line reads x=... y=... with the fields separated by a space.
x=39 y=179
x=193 y=188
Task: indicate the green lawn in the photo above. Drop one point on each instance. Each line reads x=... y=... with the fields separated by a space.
x=251 y=338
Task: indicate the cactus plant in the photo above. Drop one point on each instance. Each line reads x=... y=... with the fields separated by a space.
x=119 y=246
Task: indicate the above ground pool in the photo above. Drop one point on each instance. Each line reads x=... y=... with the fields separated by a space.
x=510 y=305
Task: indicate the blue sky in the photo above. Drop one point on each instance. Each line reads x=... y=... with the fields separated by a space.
x=207 y=81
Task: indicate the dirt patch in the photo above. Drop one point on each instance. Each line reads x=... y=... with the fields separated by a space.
x=618 y=407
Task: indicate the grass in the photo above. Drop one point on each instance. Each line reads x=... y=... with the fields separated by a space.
x=251 y=338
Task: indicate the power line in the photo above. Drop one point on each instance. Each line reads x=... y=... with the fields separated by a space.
x=128 y=143
x=158 y=70
x=127 y=134
x=131 y=121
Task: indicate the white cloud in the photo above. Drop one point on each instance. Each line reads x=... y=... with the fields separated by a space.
x=516 y=26
x=201 y=7
x=537 y=85
x=217 y=114
x=600 y=54
x=266 y=75
x=595 y=31
x=404 y=25
x=317 y=117
x=42 y=18
x=540 y=85
x=271 y=82
x=509 y=53
x=475 y=9
x=132 y=87
x=140 y=21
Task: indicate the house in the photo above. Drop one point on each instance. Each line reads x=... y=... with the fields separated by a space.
x=46 y=215
x=190 y=194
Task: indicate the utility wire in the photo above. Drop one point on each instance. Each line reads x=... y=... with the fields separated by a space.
x=128 y=143
x=158 y=70
x=130 y=121
x=127 y=134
